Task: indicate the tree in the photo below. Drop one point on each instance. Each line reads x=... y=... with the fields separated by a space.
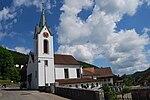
x=6 y=62
x=125 y=90
x=128 y=80
x=109 y=94
x=19 y=58
x=15 y=74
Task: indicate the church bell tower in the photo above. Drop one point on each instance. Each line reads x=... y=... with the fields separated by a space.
x=44 y=55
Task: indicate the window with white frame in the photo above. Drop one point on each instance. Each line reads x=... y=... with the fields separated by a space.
x=66 y=73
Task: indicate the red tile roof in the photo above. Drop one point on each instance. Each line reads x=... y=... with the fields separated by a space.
x=103 y=72
x=87 y=73
x=75 y=80
x=99 y=72
x=65 y=60
x=91 y=69
x=62 y=59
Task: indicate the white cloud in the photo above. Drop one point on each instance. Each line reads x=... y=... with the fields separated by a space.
x=10 y=24
x=146 y=30
x=82 y=52
x=125 y=50
x=147 y=1
x=22 y=50
x=7 y=18
x=7 y=13
x=38 y=3
x=96 y=37
x=119 y=6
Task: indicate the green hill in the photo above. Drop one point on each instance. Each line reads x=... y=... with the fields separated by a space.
x=18 y=58
x=86 y=65
x=142 y=77
x=141 y=73
x=22 y=59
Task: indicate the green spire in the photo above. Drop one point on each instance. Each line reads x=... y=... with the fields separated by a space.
x=42 y=19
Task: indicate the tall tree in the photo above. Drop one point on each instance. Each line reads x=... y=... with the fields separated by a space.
x=128 y=80
x=15 y=74
x=6 y=62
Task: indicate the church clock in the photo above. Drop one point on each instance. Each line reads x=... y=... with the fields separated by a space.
x=45 y=34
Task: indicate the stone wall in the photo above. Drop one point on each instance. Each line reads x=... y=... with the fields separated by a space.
x=79 y=94
x=141 y=94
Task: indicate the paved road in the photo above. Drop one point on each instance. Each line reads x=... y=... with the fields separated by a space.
x=12 y=94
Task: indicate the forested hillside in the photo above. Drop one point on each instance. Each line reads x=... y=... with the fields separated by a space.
x=141 y=73
x=142 y=77
x=19 y=58
x=86 y=65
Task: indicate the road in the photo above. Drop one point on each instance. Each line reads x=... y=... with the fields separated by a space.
x=12 y=94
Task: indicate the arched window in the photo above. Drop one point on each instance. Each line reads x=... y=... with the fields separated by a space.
x=45 y=46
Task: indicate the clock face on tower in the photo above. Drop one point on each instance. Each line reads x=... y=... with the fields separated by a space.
x=45 y=34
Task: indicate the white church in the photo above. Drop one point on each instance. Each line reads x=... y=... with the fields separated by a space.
x=46 y=68
x=41 y=69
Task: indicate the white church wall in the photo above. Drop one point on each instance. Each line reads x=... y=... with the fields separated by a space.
x=46 y=73
x=50 y=72
x=35 y=76
x=41 y=73
x=31 y=69
x=59 y=71
x=72 y=73
x=40 y=44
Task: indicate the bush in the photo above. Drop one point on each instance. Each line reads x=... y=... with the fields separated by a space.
x=15 y=74
x=109 y=94
x=5 y=81
x=126 y=89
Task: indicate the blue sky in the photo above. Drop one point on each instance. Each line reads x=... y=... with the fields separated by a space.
x=104 y=33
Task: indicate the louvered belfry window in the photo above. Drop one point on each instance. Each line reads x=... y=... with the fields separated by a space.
x=45 y=46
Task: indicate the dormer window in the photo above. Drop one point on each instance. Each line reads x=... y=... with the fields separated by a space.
x=45 y=46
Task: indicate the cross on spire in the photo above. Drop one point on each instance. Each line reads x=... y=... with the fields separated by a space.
x=42 y=6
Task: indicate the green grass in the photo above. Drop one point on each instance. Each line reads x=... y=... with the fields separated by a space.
x=5 y=82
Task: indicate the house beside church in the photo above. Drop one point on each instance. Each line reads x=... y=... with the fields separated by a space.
x=104 y=75
x=46 y=68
